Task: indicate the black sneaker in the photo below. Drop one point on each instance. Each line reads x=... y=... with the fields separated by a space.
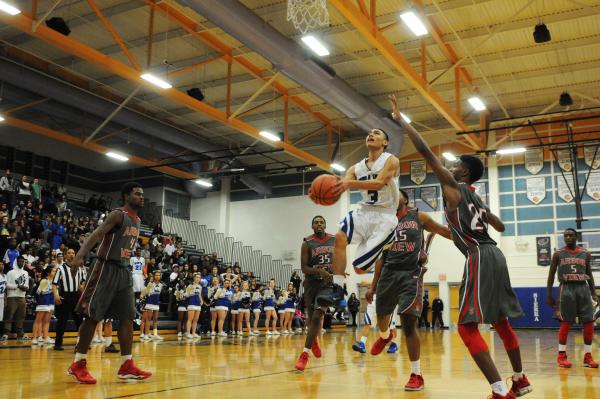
x=59 y=348
x=111 y=349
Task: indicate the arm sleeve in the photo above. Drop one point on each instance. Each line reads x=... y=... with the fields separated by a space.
x=57 y=276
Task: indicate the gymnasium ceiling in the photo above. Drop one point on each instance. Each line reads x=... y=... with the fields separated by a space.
x=489 y=41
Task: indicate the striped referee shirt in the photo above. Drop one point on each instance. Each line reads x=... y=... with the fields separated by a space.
x=67 y=280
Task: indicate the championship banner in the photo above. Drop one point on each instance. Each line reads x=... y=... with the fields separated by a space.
x=565 y=187
x=543 y=249
x=481 y=191
x=593 y=186
x=564 y=159
x=534 y=160
x=418 y=171
x=429 y=195
x=591 y=154
x=536 y=189
x=411 y=197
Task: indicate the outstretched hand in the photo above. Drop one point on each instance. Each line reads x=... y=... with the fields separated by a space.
x=394 y=103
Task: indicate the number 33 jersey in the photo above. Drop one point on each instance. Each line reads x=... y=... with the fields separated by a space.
x=468 y=223
x=388 y=196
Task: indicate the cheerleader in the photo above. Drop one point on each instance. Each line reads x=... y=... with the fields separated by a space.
x=44 y=309
x=269 y=307
x=244 y=308
x=256 y=303
x=281 y=300
x=222 y=305
x=194 y=294
x=153 y=291
x=212 y=291
x=235 y=306
x=290 y=309
x=180 y=297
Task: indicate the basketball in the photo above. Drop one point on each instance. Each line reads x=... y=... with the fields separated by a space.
x=322 y=190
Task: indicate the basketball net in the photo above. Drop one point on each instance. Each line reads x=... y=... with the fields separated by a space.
x=307 y=14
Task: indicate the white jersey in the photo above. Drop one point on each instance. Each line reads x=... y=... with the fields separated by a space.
x=137 y=265
x=388 y=197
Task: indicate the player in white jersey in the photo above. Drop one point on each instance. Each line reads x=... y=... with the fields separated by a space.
x=138 y=263
x=372 y=225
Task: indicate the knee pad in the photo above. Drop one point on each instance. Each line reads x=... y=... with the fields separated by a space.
x=563 y=331
x=473 y=340
x=588 y=331
x=507 y=334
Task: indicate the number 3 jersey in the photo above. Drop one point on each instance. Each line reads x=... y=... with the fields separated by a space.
x=403 y=253
x=388 y=196
x=468 y=223
x=321 y=253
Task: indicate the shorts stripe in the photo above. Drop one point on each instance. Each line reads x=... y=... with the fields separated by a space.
x=374 y=252
x=418 y=299
x=351 y=227
x=367 y=318
x=468 y=279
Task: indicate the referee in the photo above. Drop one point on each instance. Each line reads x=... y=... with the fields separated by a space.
x=66 y=287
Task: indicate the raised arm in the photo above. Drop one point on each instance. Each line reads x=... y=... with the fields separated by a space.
x=553 y=266
x=115 y=218
x=434 y=227
x=390 y=170
x=494 y=220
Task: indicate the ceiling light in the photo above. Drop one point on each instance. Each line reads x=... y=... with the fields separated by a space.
x=9 y=9
x=476 y=103
x=315 y=45
x=414 y=23
x=565 y=99
x=514 y=150
x=406 y=118
x=116 y=156
x=203 y=183
x=156 y=81
x=449 y=156
x=541 y=34
x=269 y=135
x=338 y=167
x=1 y=119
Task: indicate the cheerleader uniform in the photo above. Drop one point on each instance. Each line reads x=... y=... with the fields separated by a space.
x=269 y=300
x=194 y=292
x=256 y=302
x=212 y=291
x=244 y=301
x=235 y=304
x=281 y=301
x=153 y=296
x=45 y=297
x=223 y=299
x=290 y=303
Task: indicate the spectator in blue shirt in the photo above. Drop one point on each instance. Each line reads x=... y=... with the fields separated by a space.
x=11 y=254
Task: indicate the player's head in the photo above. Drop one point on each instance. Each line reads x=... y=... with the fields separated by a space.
x=132 y=195
x=403 y=203
x=138 y=252
x=377 y=139
x=570 y=237
x=468 y=170
x=319 y=224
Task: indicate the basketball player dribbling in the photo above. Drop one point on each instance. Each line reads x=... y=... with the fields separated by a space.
x=108 y=293
x=316 y=258
x=577 y=293
x=485 y=295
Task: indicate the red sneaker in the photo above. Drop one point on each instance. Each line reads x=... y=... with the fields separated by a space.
x=380 y=345
x=521 y=387
x=315 y=348
x=509 y=395
x=302 y=360
x=562 y=360
x=415 y=383
x=129 y=371
x=589 y=362
x=80 y=372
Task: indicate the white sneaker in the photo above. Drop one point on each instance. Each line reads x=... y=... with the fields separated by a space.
x=189 y=336
x=323 y=331
x=49 y=340
x=97 y=340
x=157 y=337
x=4 y=337
x=212 y=333
x=285 y=332
x=222 y=334
x=179 y=335
x=268 y=332
x=196 y=336
x=34 y=341
x=276 y=332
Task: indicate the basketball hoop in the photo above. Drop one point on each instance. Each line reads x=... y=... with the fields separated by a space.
x=307 y=14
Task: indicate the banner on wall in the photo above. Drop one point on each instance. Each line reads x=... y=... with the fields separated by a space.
x=480 y=190
x=534 y=160
x=411 y=197
x=564 y=159
x=536 y=189
x=591 y=154
x=429 y=195
x=543 y=249
x=418 y=171
x=565 y=188
x=593 y=185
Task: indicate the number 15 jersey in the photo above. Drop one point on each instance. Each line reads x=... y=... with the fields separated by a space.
x=388 y=196
x=468 y=223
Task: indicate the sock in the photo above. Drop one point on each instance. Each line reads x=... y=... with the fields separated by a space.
x=80 y=356
x=125 y=358
x=500 y=387
x=363 y=339
x=307 y=350
x=562 y=348
x=339 y=280
x=587 y=348
x=384 y=334
x=156 y=331
x=415 y=367
x=108 y=340
x=517 y=375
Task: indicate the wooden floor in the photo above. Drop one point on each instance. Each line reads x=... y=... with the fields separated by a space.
x=264 y=368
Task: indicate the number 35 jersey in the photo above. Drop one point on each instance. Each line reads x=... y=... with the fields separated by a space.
x=468 y=223
x=388 y=196
x=321 y=253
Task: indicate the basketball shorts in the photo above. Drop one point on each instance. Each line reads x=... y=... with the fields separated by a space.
x=401 y=290
x=371 y=230
x=486 y=295
x=575 y=301
x=108 y=293
x=318 y=293
x=138 y=282
x=371 y=315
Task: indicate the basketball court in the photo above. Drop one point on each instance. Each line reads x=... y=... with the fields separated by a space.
x=226 y=111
